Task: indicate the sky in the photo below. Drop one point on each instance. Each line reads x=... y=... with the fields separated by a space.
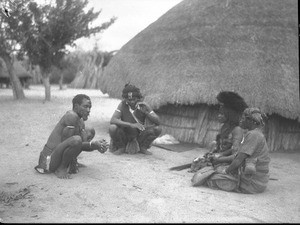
x=133 y=16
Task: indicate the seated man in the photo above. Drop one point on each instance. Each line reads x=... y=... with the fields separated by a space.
x=68 y=139
x=134 y=125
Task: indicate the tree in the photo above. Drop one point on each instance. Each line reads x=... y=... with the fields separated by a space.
x=53 y=28
x=12 y=20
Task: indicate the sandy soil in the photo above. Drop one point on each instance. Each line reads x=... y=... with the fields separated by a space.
x=125 y=188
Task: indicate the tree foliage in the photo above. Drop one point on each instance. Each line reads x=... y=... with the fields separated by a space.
x=44 y=31
x=13 y=18
x=54 y=27
x=14 y=21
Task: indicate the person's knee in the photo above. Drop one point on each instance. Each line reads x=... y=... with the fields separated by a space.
x=76 y=140
x=90 y=133
x=157 y=131
x=112 y=130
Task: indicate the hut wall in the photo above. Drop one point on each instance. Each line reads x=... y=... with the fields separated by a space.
x=198 y=124
x=282 y=134
x=193 y=124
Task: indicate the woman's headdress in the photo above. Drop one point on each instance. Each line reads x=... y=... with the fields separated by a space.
x=255 y=115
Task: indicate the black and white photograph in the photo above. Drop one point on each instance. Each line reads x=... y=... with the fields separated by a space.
x=149 y=111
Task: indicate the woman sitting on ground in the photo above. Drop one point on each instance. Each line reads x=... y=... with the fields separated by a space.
x=249 y=171
x=230 y=135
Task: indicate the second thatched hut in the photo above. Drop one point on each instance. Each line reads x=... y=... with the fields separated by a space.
x=24 y=76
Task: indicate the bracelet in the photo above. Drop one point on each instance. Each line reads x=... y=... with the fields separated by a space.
x=149 y=112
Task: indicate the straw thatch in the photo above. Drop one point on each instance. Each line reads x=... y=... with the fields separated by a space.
x=93 y=65
x=89 y=75
x=201 y=47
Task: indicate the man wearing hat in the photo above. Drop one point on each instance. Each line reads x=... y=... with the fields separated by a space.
x=134 y=125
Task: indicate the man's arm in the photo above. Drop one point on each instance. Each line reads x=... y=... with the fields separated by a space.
x=153 y=117
x=150 y=114
x=225 y=153
x=238 y=160
x=116 y=119
x=237 y=137
x=83 y=133
x=100 y=145
x=70 y=124
x=223 y=159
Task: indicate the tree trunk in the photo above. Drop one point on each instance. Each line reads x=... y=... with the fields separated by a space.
x=46 y=82
x=18 y=92
x=61 y=79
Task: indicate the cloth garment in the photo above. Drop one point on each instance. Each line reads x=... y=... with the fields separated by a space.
x=44 y=160
x=255 y=146
x=124 y=135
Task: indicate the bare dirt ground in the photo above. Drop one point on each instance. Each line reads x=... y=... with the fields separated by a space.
x=120 y=189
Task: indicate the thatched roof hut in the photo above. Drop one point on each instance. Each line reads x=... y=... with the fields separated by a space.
x=200 y=47
x=92 y=66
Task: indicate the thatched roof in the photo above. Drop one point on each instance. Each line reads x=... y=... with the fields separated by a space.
x=200 y=47
x=18 y=69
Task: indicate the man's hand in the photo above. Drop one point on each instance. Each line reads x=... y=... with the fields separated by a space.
x=144 y=107
x=138 y=126
x=216 y=156
x=102 y=145
x=209 y=156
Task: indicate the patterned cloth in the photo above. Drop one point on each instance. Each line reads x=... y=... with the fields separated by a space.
x=44 y=160
x=255 y=146
x=255 y=115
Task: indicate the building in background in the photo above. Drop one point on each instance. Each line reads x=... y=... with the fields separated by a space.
x=201 y=47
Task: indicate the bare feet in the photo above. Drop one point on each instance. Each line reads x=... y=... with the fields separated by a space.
x=62 y=173
x=80 y=165
x=73 y=170
x=119 y=151
x=145 y=151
